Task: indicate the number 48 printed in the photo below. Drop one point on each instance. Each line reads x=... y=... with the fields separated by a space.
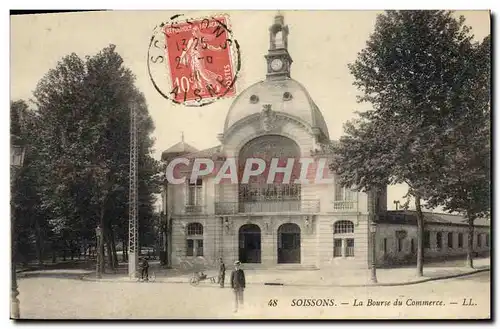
x=273 y=302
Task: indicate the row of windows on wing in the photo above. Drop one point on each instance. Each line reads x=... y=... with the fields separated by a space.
x=439 y=241
x=254 y=99
x=461 y=239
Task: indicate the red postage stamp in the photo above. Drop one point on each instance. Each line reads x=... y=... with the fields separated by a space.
x=199 y=57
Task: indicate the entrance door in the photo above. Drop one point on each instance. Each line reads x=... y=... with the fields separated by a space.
x=288 y=243
x=249 y=244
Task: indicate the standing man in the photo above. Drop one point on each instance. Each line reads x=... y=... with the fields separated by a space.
x=238 y=285
x=222 y=272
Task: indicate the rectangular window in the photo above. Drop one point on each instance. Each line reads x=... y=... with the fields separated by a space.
x=427 y=239
x=349 y=195
x=460 y=240
x=487 y=241
x=189 y=247
x=400 y=244
x=450 y=240
x=337 y=247
x=339 y=192
x=385 y=246
x=412 y=246
x=195 y=193
x=343 y=194
x=479 y=240
x=199 y=247
x=439 y=240
x=349 y=251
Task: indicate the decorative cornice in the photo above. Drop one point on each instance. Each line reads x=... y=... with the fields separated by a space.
x=251 y=119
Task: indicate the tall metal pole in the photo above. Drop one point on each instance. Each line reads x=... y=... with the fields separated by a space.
x=132 y=221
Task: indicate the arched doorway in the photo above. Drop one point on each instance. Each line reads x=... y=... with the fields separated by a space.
x=288 y=243
x=249 y=243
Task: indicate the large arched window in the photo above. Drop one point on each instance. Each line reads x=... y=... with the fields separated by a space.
x=259 y=191
x=194 y=239
x=343 y=239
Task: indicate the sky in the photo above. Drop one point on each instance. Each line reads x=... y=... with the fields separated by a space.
x=321 y=44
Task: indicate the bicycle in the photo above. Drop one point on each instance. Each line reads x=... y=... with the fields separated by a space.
x=151 y=277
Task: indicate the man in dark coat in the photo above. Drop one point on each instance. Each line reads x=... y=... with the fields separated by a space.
x=222 y=272
x=238 y=285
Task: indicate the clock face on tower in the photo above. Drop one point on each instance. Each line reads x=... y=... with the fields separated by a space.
x=276 y=64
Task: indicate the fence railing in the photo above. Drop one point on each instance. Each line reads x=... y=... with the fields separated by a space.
x=284 y=206
x=345 y=206
x=189 y=209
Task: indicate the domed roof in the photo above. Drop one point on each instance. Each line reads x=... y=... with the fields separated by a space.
x=285 y=96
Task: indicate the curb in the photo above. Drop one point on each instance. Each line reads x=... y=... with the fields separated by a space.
x=391 y=284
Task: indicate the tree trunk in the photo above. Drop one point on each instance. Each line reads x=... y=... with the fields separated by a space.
x=470 y=242
x=100 y=248
x=109 y=249
x=420 y=237
x=163 y=244
x=125 y=247
x=54 y=255
x=72 y=250
x=109 y=254
x=113 y=250
x=38 y=242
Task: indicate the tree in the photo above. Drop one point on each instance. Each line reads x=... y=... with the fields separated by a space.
x=31 y=225
x=466 y=187
x=83 y=116
x=412 y=72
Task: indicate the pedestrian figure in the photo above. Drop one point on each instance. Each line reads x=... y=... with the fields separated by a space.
x=144 y=269
x=222 y=272
x=238 y=285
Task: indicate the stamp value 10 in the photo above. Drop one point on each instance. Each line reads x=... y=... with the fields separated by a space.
x=200 y=58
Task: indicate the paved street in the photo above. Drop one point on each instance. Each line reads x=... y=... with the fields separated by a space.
x=49 y=298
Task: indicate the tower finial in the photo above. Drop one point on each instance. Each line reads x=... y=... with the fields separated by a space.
x=182 y=136
x=279 y=19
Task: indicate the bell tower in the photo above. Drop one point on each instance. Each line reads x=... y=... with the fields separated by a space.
x=278 y=59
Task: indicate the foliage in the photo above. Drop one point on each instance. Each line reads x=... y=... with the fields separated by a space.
x=81 y=136
x=466 y=187
x=417 y=70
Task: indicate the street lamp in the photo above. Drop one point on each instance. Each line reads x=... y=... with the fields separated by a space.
x=373 y=265
x=98 y=234
x=396 y=202
x=16 y=161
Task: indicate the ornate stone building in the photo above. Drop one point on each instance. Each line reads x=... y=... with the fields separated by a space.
x=274 y=225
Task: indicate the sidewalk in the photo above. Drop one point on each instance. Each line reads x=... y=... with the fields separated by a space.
x=325 y=277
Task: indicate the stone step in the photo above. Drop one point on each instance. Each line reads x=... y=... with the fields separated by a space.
x=285 y=267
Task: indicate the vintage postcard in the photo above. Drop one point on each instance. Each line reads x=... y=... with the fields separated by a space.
x=250 y=165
